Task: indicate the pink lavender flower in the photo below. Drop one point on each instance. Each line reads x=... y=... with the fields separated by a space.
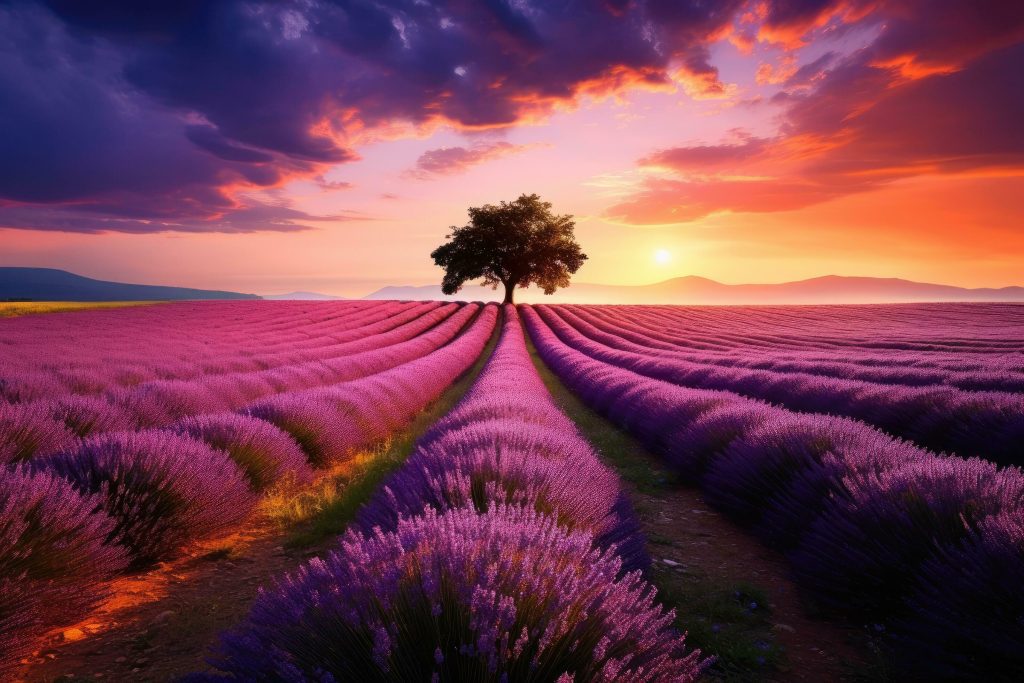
x=265 y=453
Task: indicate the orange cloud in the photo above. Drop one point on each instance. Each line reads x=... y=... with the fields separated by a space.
x=860 y=128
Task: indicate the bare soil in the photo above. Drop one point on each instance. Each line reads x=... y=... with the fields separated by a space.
x=698 y=541
x=160 y=624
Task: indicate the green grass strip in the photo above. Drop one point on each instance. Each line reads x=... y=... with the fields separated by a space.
x=339 y=499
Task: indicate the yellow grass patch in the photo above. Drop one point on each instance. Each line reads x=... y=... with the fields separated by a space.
x=11 y=309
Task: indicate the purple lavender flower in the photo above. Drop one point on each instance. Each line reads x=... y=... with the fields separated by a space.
x=969 y=598
x=493 y=463
x=30 y=429
x=520 y=598
x=324 y=433
x=265 y=453
x=54 y=559
x=87 y=415
x=162 y=489
x=871 y=541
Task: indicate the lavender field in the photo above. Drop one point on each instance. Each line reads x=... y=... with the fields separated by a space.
x=875 y=450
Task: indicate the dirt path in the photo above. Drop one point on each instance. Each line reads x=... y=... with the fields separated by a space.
x=690 y=541
x=700 y=560
x=161 y=624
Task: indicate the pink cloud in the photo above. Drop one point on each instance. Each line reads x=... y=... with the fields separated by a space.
x=455 y=160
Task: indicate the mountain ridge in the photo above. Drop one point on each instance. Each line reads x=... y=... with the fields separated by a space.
x=52 y=284
x=302 y=296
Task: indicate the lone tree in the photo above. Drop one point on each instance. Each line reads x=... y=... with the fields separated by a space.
x=515 y=244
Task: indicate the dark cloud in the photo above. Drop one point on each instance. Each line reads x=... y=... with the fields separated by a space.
x=933 y=34
x=789 y=21
x=138 y=108
x=83 y=148
x=211 y=139
x=812 y=71
x=245 y=218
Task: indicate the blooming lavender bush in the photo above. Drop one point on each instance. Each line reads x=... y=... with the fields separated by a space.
x=324 y=433
x=28 y=429
x=162 y=489
x=54 y=556
x=756 y=472
x=488 y=465
x=969 y=600
x=85 y=415
x=505 y=595
x=263 y=452
x=693 y=445
x=864 y=554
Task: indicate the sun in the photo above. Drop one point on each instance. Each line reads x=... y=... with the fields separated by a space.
x=662 y=256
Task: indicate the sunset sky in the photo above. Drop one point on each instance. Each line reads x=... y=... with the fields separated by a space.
x=328 y=146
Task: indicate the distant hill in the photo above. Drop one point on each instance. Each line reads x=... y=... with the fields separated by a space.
x=433 y=292
x=49 y=284
x=702 y=291
x=302 y=296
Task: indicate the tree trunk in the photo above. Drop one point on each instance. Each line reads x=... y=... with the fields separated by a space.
x=509 y=288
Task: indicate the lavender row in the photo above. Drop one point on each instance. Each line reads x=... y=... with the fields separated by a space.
x=992 y=373
x=330 y=422
x=507 y=443
x=71 y=521
x=942 y=418
x=943 y=329
x=23 y=381
x=939 y=328
x=160 y=349
x=177 y=341
x=52 y=424
x=496 y=553
x=878 y=530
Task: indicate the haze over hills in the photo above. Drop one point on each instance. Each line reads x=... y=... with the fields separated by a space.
x=695 y=290
x=50 y=284
x=302 y=296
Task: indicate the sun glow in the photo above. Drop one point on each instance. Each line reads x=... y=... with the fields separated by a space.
x=662 y=257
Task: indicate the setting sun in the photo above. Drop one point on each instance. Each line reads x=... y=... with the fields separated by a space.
x=662 y=256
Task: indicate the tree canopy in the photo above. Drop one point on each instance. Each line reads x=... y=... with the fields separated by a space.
x=514 y=244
